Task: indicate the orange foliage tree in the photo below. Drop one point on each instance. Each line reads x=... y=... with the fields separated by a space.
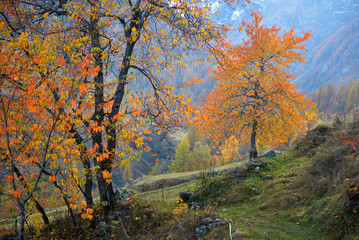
x=36 y=153
x=254 y=99
x=69 y=81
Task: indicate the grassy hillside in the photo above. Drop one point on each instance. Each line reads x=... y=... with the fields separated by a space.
x=308 y=192
x=301 y=195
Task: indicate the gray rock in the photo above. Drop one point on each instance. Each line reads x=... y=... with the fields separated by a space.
x=207 y=221
x=211 y=225
x=208 y=224
x=201 y=231
x=123 y=215
x=268 y=154
x=185 y=196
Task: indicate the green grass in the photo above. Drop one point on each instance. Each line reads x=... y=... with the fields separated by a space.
x=274 y=212
x=266 y=225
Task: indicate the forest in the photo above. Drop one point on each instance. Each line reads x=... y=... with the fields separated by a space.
x=97 y=93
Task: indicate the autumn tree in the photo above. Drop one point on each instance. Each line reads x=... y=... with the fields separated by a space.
x=353 y=98
x=193 y=136
x=200 y=158
x=102 y=47
x=230 y=150
x=35 y=149
x=182 y=152
x=254 y=99
x=341 y=100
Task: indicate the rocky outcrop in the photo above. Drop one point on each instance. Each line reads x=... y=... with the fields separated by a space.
x=185 y=196
x=270 y=154
x=207 y=225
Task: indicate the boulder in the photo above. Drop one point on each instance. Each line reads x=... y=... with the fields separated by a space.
x=201 y=231
x=185 y=196
x=206 y=225
x=206 y=221
x=270 y=153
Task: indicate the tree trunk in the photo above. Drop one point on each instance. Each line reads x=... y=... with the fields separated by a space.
x=119 y=94
x=105 y=189
x=253 y=149
x=87 y=165
x=37 y=204
x=21 y=233
x=43 y=213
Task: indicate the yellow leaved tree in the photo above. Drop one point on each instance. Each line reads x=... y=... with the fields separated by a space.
x=254 y=100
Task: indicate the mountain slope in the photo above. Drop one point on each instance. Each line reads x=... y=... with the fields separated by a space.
x=335 y=59
x=332 y=49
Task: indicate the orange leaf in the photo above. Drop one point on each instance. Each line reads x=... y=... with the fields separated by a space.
x=16 y=194
x=105 y=174
x=83 y=205
x=52 y=178
x=9 y=178
x=73 y=206
x=89 y=211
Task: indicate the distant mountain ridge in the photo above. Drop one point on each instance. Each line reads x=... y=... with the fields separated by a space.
x=333 y=48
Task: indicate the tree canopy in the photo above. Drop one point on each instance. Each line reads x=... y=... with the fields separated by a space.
x=254 y=99
x=70 y=107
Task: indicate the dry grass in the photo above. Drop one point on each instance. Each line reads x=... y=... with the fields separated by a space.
x=168 y=194
x=151 y=183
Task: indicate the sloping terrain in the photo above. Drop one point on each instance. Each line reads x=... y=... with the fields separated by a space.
x=302 y=195
x=309 y=192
